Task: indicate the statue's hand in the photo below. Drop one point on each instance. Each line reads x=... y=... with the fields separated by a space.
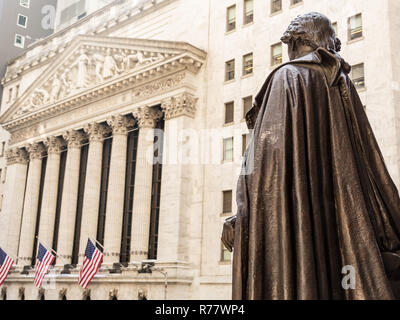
x=228 y=233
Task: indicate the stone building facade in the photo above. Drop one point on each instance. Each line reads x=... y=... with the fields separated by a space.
x=129 y=129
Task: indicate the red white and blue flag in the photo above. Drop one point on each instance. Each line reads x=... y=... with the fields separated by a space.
x=91 y=264
x=5 y=265
x=43 y=262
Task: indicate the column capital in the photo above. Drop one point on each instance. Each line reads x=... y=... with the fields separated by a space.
x=16 y=156
x=36 y=150
x=74 y=139
x=120 y=124
x=179 y=105
x=54 y=145
x=147 y=117
x=96 y=132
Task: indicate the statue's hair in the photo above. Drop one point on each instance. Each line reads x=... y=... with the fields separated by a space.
x=312 y=29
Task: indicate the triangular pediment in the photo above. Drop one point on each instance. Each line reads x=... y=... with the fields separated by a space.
x=92 y=63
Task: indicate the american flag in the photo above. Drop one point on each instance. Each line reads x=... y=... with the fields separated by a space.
x=43 y=262
x=91 y=264
x=5 y=265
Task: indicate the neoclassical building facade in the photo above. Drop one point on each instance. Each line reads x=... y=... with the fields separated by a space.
x=127 y=127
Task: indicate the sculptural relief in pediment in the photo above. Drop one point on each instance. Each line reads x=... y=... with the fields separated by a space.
x=88 y=67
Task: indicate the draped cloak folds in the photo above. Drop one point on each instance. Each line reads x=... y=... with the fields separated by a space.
x=314 y=195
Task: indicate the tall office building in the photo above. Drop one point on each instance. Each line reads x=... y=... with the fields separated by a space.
x=23 y=22
x=104 y=99
x=70 y=11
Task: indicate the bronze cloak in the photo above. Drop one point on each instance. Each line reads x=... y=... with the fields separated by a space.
x=317 y=195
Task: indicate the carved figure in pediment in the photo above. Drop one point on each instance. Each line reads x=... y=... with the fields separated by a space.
x=139 y=59
x=65 y=83
x=98 y=61
x=55 y=88
x=110 y=67
x=82 y=75
x=123 y=61
x=39 y=98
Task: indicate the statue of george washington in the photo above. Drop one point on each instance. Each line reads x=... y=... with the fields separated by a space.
x=315 y=198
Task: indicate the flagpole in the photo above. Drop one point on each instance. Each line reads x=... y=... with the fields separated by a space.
x=55 y=252
x=98 y=243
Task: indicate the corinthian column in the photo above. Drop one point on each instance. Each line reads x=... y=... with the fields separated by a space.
x=36 y=152
x=116 y=188
x=174 y=221
x=50 y=189
x=147 y=119
x=65 y=242
x=17 y=164
x=91 y=199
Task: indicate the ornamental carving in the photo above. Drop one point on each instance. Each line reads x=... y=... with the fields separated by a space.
x=120 y=124
x=54 y=145
x=147 y=117
x=96 y=132
x=16 y=156
x=89 y=67
x=180 y=105
x=36 y=151
x=74 y=139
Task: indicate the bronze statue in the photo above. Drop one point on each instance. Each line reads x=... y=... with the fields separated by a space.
x=315 y=199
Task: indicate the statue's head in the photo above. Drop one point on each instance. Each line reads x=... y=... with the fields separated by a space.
x=308 y=32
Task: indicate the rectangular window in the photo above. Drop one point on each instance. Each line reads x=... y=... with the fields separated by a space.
x=19 y=41
x=248 y=64
x=248 y=11
x=245 y=142
x=230 y=70
x=225 y=254
x=276 y=54
x=357 y=75
x=10 y=93
x=334 y=25
x=231 y=18
x=276 y=6
x=22 y=20
x=5 y=175
x=229 y=112
x=16 y=93
x=228 y=149
x=247 y=105
x=24 y=3
x=293 y=2
x=3 y=148
x=227 y=201
x=355 y=27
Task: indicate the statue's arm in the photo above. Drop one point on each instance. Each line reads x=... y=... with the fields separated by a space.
x=228 y=233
